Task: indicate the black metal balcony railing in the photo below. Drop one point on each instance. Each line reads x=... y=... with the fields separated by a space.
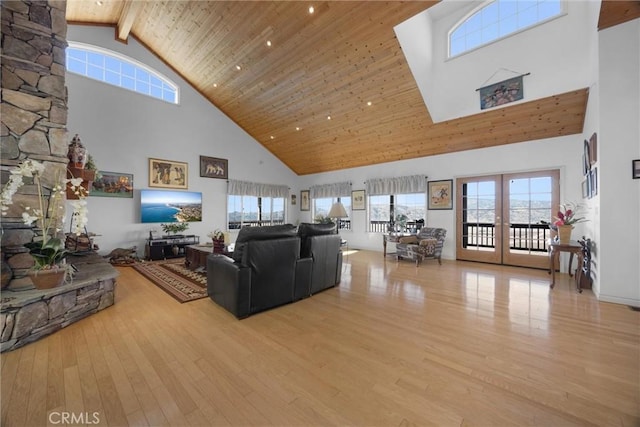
x=345 y=224
x=237 y=225
x=531 y=237
x=383 y=227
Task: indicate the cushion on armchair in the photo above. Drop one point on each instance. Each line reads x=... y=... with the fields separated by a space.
x=408 y=240
x=427 y=243
x=428 y=246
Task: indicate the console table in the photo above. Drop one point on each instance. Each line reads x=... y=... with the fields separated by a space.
x=554 y=252
x=168 y=247
x=393 y=238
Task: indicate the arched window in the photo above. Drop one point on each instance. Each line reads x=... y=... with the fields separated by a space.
x=499 y=19
x=118 y=70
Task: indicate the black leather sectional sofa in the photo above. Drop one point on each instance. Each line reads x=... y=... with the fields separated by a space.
x=275 y=265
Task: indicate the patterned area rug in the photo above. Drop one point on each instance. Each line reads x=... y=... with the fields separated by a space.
x=172 y=277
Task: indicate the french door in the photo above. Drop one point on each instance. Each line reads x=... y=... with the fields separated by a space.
x=504 y=219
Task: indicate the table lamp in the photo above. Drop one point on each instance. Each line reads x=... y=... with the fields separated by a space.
x=337 y=211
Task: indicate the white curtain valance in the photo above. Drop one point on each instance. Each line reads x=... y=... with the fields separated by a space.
x=397 y=185
x=244 y=188
x=338 y=189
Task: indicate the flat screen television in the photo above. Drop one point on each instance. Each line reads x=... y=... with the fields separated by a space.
x=170 y=206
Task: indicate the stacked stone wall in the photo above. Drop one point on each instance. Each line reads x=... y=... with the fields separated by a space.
x=33 y=114
x=26 y=316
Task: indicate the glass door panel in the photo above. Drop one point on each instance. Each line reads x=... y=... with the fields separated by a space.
x=528 y=201
x=477 y=214
x=505 y=218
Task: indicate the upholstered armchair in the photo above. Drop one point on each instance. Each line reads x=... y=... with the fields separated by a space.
x=427 y=243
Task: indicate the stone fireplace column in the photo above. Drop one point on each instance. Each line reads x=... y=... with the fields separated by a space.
x=34 y=114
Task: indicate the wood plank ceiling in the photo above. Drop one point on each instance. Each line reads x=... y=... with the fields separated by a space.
x=306 y=97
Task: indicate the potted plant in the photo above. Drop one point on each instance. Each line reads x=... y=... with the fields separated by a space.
x=174 y=227
x=564 y=220
x=218 y=240
x=47 y=249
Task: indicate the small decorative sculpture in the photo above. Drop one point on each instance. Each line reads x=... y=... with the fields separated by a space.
x=122 y=255
x=77 y=153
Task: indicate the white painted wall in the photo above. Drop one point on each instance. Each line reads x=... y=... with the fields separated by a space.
x=122 y=129
x=558 y=153
x=618 y=248
x=557 y=55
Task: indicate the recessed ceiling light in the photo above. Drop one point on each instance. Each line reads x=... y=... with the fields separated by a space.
x=272 y=137
x=238 y=67
x=99 y=3
x=369 y=103
x=311 y=10
x=328 y=117
x=269 y=43
x=297 y=128
x=215 y=85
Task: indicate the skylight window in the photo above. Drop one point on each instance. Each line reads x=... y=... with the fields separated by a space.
x=499 y=19
x=118 y=70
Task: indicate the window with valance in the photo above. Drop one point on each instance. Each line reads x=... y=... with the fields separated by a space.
x=325 y=195
x=255 y=204
x=396 y=204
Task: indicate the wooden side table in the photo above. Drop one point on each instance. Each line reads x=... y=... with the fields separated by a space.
x=196 y=256
x=393 y=238
x=555 y=248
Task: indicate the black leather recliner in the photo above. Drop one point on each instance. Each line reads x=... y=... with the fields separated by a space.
x=321 y=243
x=266 y=271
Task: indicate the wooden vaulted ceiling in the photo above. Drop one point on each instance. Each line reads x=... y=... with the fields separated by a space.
x=331 y=63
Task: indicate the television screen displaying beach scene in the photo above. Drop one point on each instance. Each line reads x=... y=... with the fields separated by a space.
x=170 y=206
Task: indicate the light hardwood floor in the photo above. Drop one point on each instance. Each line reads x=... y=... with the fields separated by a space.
x=394 y=345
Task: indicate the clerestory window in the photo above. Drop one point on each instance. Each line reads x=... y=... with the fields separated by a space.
x=118 y=70
x=499 y=19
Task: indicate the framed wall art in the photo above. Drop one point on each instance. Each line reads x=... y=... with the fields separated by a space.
x=358 y=200
x=593 y=182
x=112 y=184
x=168 y=174
x=211 y=167
x=593 y=148
x=586 y=158
x=440 y=194
x=305 y=202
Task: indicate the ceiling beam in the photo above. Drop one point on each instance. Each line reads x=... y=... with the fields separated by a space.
x=613 y=13
x=129 y=13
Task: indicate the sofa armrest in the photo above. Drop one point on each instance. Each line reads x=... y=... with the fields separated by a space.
x=229 y=285
x=302 y=287
x=339 y=271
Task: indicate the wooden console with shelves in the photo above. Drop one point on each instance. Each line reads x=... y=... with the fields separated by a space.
x=168 y=246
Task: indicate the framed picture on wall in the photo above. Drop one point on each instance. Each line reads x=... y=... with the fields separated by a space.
x=168 y=174
x=440 y=194
x=593 y=148
x=593 y=182
x=358 y=200
x=635 y=169
x=112 y=184
x=305 y=202
x=586 y=159
x=211 y=167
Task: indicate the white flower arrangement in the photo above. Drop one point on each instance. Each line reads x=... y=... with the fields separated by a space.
x=216 y=235
x=49 y=250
